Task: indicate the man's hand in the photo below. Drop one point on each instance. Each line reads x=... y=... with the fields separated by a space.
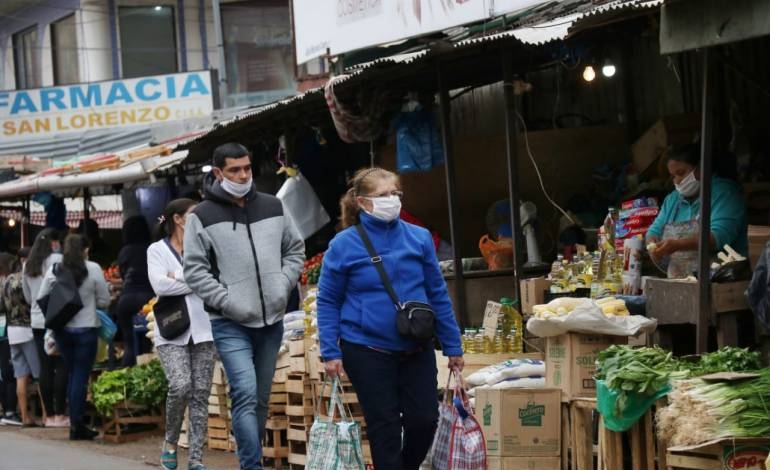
x=665 y=248
x=456 y=362
x=334 y=368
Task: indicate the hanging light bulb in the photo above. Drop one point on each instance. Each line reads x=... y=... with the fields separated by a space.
x=11 y=223
x=206 y=168
x=589 y=74
x=608 y=69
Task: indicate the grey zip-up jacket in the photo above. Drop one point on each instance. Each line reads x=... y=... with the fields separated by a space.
x=242 y=261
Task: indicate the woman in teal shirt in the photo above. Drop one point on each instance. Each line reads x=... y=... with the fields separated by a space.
x=675 y=230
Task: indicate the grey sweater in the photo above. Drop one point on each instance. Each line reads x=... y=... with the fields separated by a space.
x=242 y=261
x=93 y=292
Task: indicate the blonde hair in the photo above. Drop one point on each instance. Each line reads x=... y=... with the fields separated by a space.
x=362 y=184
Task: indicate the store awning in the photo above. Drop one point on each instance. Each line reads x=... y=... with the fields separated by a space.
x=102 y=170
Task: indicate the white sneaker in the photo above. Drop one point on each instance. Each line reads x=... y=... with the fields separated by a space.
x=11 y=420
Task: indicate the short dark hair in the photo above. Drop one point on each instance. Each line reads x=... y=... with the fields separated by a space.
x=228 y=150
x=689 y=154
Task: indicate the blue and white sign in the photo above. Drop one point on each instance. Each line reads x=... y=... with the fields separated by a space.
x=45 y=112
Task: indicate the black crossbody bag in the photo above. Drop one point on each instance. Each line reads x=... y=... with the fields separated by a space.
x=171 y=313
x=415 y=320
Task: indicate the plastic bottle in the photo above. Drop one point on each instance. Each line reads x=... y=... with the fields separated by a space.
x=500 y=346
x=608 y=229
x=489 y=343
x=478 y=341
x=558 y=275
x=513 y=323
x=465 y=340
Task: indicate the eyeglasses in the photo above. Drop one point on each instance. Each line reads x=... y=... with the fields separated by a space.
x=398 y=194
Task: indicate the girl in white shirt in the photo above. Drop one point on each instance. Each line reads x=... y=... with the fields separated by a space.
x=188 y=359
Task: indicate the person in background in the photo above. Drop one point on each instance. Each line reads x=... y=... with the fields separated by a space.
x=24 y=356
x=8 y=398
x=77 y=341
x=395 y=378
x=45 y=252
x=100 y=251
x=137 y=291
x=242 y=256
x=188 y=359
x=675 y=230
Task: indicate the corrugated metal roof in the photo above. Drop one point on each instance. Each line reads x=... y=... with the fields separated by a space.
x=538 y=26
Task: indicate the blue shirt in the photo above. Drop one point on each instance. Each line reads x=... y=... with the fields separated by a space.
x=352 y=301
x=728 y=215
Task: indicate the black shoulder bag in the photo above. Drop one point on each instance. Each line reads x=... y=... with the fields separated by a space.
x=63 y=302
x=171 y=314
x=415 y=320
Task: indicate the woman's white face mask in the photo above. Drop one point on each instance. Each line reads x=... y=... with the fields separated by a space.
x=386 y=208
x=689 y=186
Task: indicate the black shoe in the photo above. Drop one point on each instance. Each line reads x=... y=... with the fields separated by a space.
x=81 y=432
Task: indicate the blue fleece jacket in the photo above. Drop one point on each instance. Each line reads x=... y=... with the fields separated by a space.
x=352 y=302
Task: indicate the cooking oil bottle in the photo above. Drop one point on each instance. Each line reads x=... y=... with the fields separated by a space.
x=500 y=346
x=512 y=323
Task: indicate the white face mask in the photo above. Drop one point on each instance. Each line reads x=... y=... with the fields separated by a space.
x=236 y=189
x=385 y=208
x=689 y=186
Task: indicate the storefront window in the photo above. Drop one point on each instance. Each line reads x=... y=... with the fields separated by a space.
x=258 y=52
x=64 y=49
x=25 y=59
x=147 y=41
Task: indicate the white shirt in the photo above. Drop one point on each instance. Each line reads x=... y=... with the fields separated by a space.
x=161 y=260
x=31 y=287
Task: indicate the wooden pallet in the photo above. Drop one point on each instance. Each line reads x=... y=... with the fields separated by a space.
x=117 y=428
x=580 y=437
x=220 y=433
x=646 y=453
x=298 y=453
x=276 y=445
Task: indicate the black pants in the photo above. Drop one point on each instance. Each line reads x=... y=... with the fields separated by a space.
x=397 y=393
x=54 y=378
x=8 y=385
x=129 y=305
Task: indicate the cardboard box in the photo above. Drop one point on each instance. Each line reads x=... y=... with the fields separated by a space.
x=520 y=422
x=533 y=293
x=670 y=130
x=570 y=362
x=759 y=235
x=523 y=463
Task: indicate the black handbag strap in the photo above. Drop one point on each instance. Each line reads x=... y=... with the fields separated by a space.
x=377 y=261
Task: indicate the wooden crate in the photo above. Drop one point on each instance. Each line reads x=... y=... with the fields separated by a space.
x=276 y=445
x=218 y=404
x=646 y=452
x=146 y=422
x=220 y=433
x=298 y=452
x=746 y=453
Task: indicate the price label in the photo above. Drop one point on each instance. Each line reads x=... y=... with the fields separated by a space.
x=491 y=316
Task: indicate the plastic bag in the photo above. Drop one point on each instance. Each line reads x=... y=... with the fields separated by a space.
x=511 y=368
x=733 y=271
x=636 y=406
x=587 y=317
x=303 y=205
x=108 y=327
x=418 y=142
x=497 y=254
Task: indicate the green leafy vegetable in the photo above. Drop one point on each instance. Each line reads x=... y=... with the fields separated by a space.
x=728 y=359
x=144 y=385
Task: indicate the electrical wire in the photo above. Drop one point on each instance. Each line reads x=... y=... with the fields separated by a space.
x=537 y=171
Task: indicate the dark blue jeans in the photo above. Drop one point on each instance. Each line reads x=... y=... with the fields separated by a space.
x=248 y=356
x=398 y=392
x=78 y=347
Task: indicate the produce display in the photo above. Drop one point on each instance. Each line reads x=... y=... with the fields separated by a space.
x=312 y=270
x=611 y=307
x=700 y=411
x=148 y=307
x=728 y=359
x=144 y=385
x=643 y=371
x=112 y=274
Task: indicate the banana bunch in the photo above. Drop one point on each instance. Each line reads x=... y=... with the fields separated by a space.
x=612 y=307
x=560 y=307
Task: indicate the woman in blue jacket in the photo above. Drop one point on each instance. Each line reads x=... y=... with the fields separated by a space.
x=395 y=378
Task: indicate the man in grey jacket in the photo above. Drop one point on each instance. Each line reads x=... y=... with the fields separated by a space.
x=243 y=256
